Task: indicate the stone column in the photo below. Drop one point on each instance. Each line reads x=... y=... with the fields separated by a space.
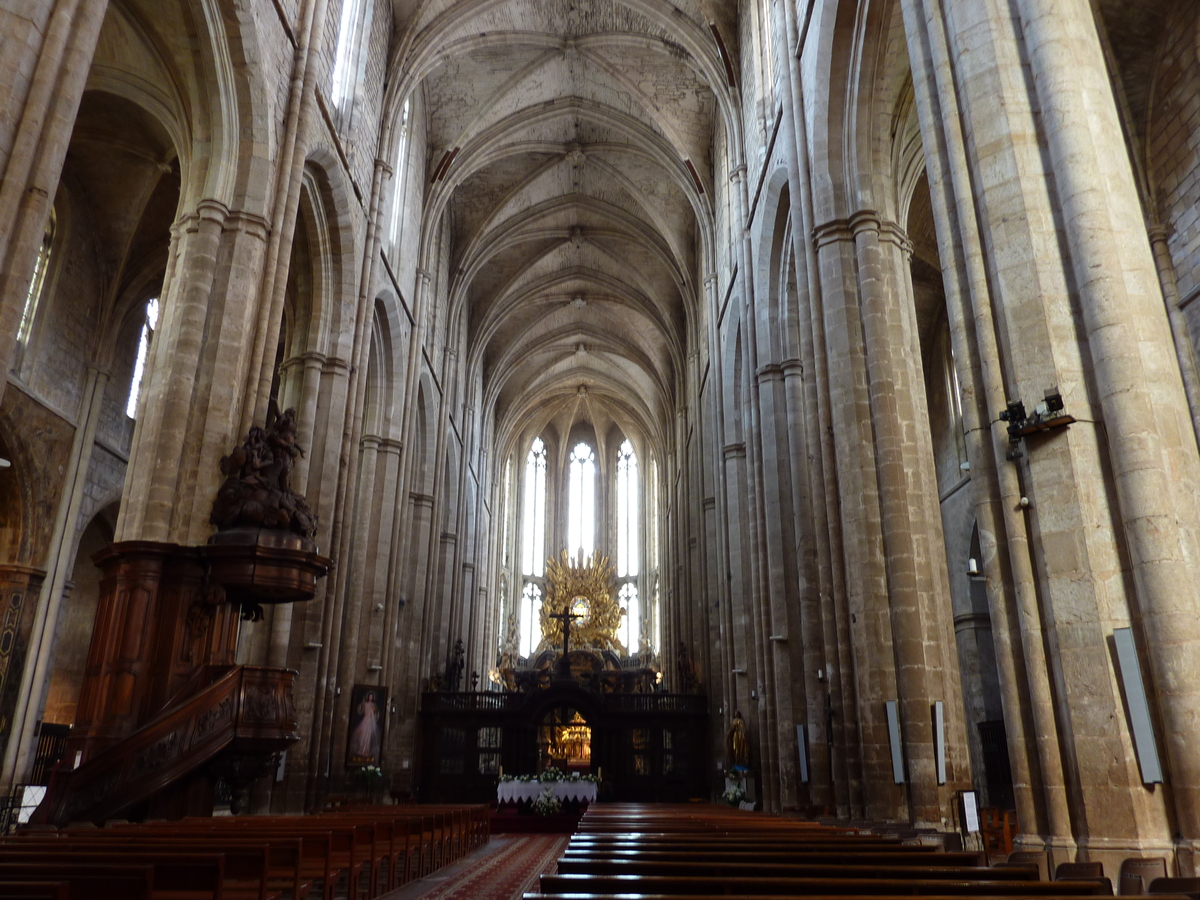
x=150 y=497
x=826 y=611
x=18 y=757
x=47 y=56
x=782 y=576
x=898 y=417
x=858 y=502
x=1152 y=444
x=1029 y=711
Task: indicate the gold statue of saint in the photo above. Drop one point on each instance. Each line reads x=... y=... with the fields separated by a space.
x=737 y=742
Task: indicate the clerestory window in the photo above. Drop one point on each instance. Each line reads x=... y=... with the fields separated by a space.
x=399 y=181
x=37 y=285
x=533 y=546
x=628 y=546
x=581 y=502
x=533 y=538
x=143 y=352
x=353 y=27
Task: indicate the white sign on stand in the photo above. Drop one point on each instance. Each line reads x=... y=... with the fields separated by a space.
x=970 y=812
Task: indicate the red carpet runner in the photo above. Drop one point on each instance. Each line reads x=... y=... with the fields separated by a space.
x=506 y=874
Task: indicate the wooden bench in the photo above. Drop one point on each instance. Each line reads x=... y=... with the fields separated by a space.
x=690 y=852
x=107 y=882
x=374 y=849
x=271 y=866
x=575 y=885
x=37 y=890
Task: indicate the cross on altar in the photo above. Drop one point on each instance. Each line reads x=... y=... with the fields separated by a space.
x=566 y=617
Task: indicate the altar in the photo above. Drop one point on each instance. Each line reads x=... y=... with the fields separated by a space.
x=581 y=703
x=519 y=791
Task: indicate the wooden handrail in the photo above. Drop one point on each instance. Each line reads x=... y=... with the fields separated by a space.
x=249 y=709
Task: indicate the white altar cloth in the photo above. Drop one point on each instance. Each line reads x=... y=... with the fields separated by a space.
x=516 y=791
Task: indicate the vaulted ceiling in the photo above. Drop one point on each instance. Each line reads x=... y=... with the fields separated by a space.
x=570 y=143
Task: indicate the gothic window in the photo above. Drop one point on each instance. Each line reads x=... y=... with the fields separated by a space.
x=656 y=620
x=37 y=284
x=768 y=58
x=533 y=543
x=628 y=548
x=354 y=25
x=630 y=622
x=627 y=511
x=953 y=394
x=533 y=546
x=581 y=502
x=399 y=180
x=139 y=367
x=504 y=549
x=531 y=618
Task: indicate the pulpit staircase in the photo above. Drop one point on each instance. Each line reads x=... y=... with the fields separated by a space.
x=227 y=721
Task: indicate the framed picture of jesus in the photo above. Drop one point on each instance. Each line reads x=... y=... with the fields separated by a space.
x=364 y=743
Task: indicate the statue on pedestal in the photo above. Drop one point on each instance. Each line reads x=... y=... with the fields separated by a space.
x=737 y=743
x=257 y=490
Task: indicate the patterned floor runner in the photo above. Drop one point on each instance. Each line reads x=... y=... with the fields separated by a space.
x=506 y=874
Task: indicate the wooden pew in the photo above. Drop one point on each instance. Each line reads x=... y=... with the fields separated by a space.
x=107 y=882
x=273 y=866
x=37 y=890
x=687 y=852
x=177 y=876
x=751 y=886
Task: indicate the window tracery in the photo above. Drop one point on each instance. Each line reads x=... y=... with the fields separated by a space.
x=533 y=545
x=581 y=502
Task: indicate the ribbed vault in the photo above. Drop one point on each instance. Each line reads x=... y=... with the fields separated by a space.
x=570 y=156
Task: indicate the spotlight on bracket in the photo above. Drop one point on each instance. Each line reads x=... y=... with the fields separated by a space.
x=1048 y=416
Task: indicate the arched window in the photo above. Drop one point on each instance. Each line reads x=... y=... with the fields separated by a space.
x=533 y=543
x=768 y=57
x=627 y=511
x=505 y=504
x=399 y=180
x=581 y=502
x=628 y=546
x=34 y=296
x=139 y=367
x=531 y=617
x=353 y=27
x=631 y=626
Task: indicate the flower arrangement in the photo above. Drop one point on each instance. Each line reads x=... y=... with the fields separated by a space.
x=547 y=804
x=370 y=775
x=734 y=796
x=549 y=776
x=735 y=793
x=370 y=778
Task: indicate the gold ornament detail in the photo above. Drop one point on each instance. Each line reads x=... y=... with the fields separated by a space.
x=570 y=581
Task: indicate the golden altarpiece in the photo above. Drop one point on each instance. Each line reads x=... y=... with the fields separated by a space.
x=594 y=709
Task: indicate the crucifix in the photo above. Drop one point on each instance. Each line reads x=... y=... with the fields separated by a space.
x=566 y=617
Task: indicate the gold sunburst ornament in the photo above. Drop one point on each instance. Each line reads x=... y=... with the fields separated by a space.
x=584 y=587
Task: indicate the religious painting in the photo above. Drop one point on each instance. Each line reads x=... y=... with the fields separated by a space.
x=364 y=745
